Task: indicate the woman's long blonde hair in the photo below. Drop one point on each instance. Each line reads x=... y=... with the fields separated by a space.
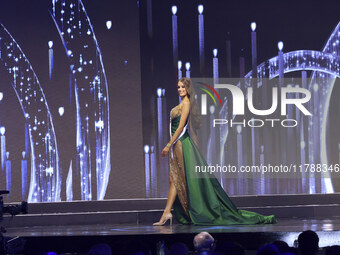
x=195 y=118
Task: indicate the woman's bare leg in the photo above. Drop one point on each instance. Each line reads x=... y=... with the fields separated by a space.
x=171 y=197
x=167 y=211
x=176 y=174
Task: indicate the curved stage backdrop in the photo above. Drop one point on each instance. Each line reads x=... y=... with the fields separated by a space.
x=70 y=100
x=86 y=88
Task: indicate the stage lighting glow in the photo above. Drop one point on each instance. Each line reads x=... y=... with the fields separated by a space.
x=215 y=52
x=108 y=24
x=212 y=109
x=200 y=9
x=174 y=9
x=187 y=66
x=239 y=129
x=61 y=111
x=2 y=130
x=159 y=92
x=280 y=45
x=253 y=26
x=50 y=44
x=179 y=64
x=49 y=171
x=146 y=148
x=1 y=96
x=99 y=124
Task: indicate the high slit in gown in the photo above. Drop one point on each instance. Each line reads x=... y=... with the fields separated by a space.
x=200 y=199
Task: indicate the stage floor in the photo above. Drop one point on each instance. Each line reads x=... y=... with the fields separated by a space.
x=286 y=230
x=76 y=226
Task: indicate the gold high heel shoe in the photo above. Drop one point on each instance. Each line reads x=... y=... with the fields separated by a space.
x=161 y=222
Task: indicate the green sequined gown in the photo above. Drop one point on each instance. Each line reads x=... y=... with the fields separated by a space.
x=201 y=201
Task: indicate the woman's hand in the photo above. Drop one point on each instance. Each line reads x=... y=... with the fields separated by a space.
x=165 y=151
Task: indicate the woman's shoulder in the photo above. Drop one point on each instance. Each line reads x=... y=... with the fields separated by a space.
x=185 y=102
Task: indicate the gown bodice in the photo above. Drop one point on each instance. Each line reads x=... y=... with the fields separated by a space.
x=175 y=117
x=175 y=112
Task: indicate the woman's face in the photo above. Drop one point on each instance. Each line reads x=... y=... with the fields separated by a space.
x=182 y=92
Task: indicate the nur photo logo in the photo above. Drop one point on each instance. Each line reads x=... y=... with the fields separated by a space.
x=274 y=105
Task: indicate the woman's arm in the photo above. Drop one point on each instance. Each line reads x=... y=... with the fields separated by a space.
x=181 y=125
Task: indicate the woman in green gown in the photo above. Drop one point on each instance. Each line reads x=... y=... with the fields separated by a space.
x=197 y=198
